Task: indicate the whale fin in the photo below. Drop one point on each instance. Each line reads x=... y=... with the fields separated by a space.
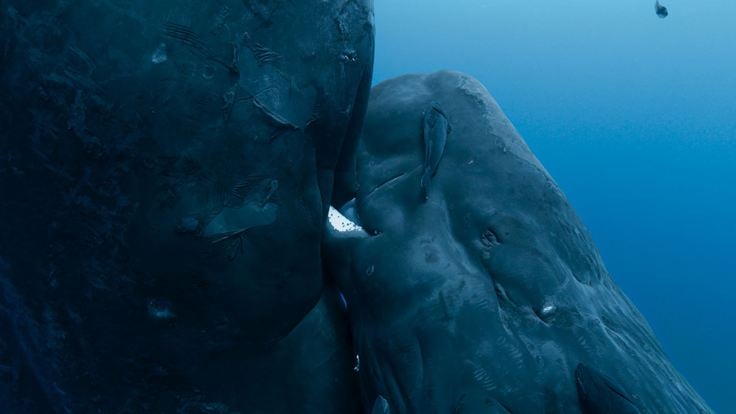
x=436 y=129
x=598 y=395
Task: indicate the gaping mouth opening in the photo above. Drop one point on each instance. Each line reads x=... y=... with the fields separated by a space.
x=341 y=223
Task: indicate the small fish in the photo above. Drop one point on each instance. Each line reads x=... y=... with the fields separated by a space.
x=660 y=10
x=436 y=129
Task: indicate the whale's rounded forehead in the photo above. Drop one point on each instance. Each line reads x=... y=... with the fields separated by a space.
x=441 y=140
x=406 y=94
x=477 y=145
x=394 y=122
x=397 y=106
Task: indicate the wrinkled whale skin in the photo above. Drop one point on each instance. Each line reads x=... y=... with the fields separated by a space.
x=487 y=294
x=165 y=171
x=598 y=395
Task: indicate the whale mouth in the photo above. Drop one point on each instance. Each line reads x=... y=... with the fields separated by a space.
x=340 y=223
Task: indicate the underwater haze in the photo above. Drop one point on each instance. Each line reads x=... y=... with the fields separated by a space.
x=635 y=118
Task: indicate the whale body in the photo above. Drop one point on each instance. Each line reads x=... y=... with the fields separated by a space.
x=166 y=171
x=487 y=295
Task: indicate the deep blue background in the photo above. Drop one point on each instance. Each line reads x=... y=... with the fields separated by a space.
x=635 y=117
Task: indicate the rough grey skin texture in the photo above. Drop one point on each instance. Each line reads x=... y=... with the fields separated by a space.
x=165 y=170
x=482 y=292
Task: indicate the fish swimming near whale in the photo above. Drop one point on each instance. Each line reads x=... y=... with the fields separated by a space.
x=436 y=128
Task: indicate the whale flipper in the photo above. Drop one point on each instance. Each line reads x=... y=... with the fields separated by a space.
x=598 y=395
x=436 y=129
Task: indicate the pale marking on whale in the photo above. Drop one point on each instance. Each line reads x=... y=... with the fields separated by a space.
x=548 y=309
x=341 y=223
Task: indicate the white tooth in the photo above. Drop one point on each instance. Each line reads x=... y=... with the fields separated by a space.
x=340 y=222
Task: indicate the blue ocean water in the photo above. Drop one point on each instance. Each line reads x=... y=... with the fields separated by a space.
x=635 y=117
